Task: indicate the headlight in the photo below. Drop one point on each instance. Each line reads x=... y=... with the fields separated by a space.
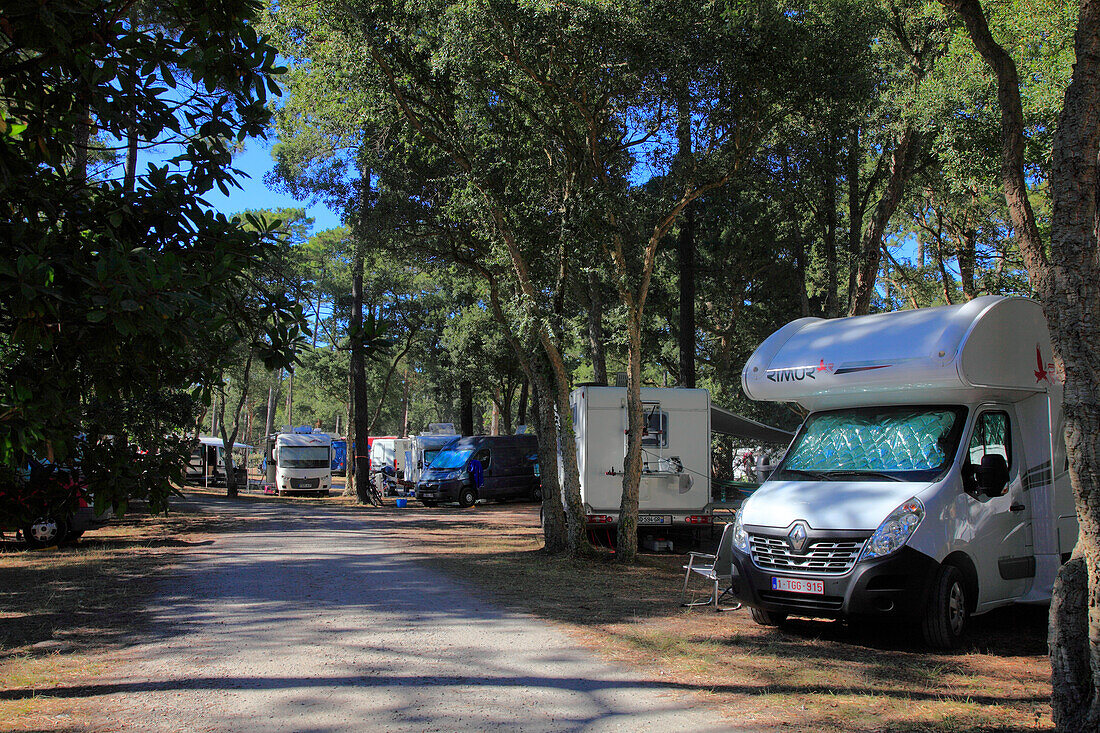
x=740 y=536
x=454 y=474
x=894 y=531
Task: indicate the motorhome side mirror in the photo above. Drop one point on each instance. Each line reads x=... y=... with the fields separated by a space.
x=993 y=475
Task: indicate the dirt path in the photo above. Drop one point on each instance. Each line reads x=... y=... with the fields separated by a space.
x=306 y=621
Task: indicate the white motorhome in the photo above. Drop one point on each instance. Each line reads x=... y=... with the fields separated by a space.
x=929 y=480
x=675 y=487
x=299 y=462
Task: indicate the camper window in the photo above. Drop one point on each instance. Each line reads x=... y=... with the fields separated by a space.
x=304 y=456
x=875 y=444
x=991 y=438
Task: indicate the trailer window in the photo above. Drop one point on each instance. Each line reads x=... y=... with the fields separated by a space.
x=303 y=456
x=875 y=444
x=655 y=432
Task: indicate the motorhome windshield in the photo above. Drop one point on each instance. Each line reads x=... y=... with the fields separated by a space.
x=429 y=456
x=449 y=460
x=875 y=444
x=303 y=456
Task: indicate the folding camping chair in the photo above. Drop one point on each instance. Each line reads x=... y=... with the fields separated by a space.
x=717 y=569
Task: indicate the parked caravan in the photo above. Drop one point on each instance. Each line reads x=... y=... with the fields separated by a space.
x=299 y=462
x=929 y=480
x=421 y=452
x=206 y=464
x=675 y=487
x=506 y=464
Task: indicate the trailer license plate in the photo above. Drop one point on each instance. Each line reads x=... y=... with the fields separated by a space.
x=794 y=585
x=654 y=519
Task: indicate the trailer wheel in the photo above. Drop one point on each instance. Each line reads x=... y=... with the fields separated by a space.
x=467 y=497
x=946 y=615
x=45 y=531
x=767 y=618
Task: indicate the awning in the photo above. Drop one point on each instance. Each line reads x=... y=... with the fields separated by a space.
x=728 y=423
x=217 y=443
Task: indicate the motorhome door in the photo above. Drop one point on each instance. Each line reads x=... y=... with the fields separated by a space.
x=1000 y=518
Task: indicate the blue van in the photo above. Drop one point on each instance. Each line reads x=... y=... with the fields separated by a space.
x=482 y=467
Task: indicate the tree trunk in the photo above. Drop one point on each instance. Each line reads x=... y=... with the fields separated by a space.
x=269 y=424
x=554 y=527
x=828 y=220
x=686 y=251
x=855 y=210
x=871 y=246
x=595 y=329
x=1068 y=286
x=626 y=542
x=522 y=416
x=405 y=403
x=361 y=416
x=466 y=408
x=349 y=428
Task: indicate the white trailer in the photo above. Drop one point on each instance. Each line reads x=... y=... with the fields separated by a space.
x=422 y=449
x=929 y=480
x=299 y=462
x=675 y=487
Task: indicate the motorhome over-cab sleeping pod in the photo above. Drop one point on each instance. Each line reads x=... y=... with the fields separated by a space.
x=929 y=480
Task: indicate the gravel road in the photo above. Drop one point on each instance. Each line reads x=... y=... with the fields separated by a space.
x=305 y=621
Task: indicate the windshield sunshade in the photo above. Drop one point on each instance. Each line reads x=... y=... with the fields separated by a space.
x=868 y=440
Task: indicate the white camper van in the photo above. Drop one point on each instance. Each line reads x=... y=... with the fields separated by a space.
x=299 y=462
x=929 y=480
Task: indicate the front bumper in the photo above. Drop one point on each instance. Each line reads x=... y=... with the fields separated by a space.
x=439 y=490
x=897 y=585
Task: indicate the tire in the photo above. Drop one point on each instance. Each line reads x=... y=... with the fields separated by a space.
x=537 y=493
x=44 y=532
x=429 y=502
x=946 y=614
x=767 y=618
x=467 y=497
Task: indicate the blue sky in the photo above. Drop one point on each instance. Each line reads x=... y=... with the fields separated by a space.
x=254 y=194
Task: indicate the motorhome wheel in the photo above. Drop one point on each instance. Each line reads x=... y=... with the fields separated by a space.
x=467 y=497
x=946 y=614
x=44 y=531
x=767 y=618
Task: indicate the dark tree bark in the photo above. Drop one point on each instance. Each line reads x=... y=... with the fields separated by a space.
x=466 y=408
x=1068 y=286
x=828 y=220
x=686 y=254
x=361 y=417
x=595 y=329
x=522 y=409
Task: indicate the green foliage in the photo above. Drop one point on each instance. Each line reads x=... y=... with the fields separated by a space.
x=110 y=300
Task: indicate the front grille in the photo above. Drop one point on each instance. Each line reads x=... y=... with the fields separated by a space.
x=821 y=556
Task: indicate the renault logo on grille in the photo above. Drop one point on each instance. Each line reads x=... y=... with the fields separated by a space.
x=797 y=536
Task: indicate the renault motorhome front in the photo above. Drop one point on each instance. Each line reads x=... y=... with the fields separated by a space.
x=929 y=480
